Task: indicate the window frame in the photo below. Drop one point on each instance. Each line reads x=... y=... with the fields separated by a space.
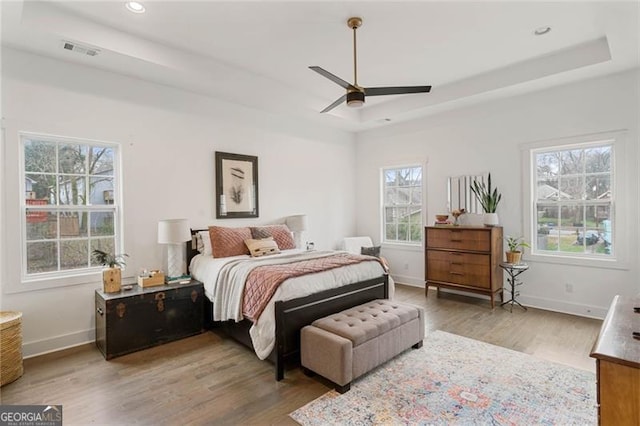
x=412 y=245
x=78 y=275
x=619 y=205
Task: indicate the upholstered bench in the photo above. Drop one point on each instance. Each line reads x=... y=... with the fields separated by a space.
x=343 y=346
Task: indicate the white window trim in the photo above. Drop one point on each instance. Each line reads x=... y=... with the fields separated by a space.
x=622 y=215
x=76 y=276
x=408 y=246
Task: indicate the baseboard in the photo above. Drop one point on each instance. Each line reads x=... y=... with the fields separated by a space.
x=578 y=309
x=57 y=343
x=406 y=280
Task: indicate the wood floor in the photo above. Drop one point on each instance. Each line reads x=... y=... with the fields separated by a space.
x=208 y=379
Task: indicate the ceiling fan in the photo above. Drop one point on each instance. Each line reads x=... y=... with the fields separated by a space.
x=355 y=95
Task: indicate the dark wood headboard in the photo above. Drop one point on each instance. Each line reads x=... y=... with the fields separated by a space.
x=192 y=249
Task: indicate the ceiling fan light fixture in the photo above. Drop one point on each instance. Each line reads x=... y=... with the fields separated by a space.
x=355 y=99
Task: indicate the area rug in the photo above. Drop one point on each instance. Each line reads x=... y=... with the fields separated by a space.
x=456 y=380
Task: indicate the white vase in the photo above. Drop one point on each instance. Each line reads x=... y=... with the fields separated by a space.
x=491 y=219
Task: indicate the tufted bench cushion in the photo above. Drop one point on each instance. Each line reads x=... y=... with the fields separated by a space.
x=343 y=346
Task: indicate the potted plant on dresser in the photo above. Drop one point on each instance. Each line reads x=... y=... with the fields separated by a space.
x=488 y=199
x=515 y=244
x=112 y=274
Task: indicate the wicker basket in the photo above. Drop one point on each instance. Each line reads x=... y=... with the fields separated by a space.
x=10 y=347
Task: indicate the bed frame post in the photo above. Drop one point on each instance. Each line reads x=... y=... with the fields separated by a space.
x=280 y=339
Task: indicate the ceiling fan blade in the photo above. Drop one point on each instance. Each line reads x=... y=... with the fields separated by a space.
x=378 y=91
x=332 y=77
x=335 y=104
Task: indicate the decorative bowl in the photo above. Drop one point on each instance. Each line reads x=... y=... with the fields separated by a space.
x=442 y=217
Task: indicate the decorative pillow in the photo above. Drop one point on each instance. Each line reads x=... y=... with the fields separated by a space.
x=262 y=247
x=280 y=233
x=370 y=251
x=227 y=242
x=203 y=242
x=260 y=233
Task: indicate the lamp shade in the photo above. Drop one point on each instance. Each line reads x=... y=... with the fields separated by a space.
x=173 y=231
x=297 y=223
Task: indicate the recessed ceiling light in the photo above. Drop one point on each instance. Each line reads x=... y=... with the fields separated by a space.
x=542 y=30
x=135 y=7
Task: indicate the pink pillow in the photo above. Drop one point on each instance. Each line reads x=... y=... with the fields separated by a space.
x=280 y=233
x=227 y=242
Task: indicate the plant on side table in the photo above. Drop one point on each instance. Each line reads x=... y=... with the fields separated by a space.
x=112 y=274
x=488 y=198
x=516 y=247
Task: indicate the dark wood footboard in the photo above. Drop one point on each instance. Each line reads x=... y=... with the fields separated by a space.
x=292 y=315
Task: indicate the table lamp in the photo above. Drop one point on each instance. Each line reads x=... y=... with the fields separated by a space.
x=297 y=224
x=174 y=233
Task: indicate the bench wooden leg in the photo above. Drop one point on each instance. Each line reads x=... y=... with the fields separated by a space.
x=417 y=345
x=343 y=389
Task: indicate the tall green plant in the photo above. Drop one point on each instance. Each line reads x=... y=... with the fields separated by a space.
x=488 y=199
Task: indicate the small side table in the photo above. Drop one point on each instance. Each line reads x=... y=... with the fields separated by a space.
x=514 y=269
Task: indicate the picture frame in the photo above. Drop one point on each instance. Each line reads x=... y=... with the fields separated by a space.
x=236 y=185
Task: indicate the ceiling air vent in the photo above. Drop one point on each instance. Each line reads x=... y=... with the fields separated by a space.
x=78 y=48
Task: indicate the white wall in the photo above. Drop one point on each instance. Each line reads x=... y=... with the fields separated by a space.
x=488 y=138
x=168 y=138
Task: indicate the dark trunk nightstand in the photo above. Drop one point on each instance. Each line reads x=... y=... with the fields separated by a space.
x=140 y=318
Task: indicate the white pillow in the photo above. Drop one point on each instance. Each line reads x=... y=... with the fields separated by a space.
x=203 y=241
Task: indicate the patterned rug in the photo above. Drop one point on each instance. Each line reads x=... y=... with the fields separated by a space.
x=456 y=380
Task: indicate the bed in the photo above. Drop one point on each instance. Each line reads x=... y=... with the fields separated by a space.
x=298 y=301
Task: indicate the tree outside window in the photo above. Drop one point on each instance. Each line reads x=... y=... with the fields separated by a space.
x=69 y=208
x=402 y=200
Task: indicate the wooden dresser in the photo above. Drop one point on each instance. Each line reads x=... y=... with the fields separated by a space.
x=617 y=356
x=464 y=258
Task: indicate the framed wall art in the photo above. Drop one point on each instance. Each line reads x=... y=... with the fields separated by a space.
x=236 y=186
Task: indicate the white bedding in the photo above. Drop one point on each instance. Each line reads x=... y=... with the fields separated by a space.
x=227 y=299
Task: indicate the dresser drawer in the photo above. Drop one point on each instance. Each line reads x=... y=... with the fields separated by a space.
x=469 y=269
x=459 y=238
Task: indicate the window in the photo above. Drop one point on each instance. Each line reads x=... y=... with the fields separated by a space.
x=573 y=200
x=70 y=204
x=402 y=204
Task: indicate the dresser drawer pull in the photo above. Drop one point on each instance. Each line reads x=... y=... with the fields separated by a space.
x=455 y=273
x=456 y=263
x=99 y=310
x=455 y=241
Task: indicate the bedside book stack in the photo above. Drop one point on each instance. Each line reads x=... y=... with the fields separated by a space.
x=182 y=279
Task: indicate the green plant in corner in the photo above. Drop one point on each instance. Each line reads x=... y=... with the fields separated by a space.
x=515 y=243
x=109 y=259
x=487 y=197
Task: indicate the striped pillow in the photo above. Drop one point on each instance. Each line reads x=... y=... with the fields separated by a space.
x=227 y=242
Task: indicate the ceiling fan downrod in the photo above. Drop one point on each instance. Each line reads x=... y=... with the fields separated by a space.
x=355 y=23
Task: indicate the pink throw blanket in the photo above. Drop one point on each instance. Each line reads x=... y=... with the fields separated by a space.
x=263 y=281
